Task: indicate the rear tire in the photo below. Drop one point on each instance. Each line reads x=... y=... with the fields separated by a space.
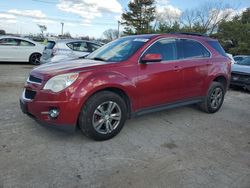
x=214 y=99
x=35 y=59
x=103 y=116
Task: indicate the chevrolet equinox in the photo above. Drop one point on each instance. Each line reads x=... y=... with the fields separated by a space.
x=130 y=76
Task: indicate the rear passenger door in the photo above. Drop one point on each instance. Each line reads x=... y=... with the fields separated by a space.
x=25 y=49
x=195 y=59
x=9 y=49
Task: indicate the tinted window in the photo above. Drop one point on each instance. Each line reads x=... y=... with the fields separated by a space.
x=216 y=45
x=191 y=49
x=245 y=61
x=50 y=45
x=238 y=58
x=166 y=47
x=78 y=46
x=26 y=43
x=92 y=47
x=9 y=42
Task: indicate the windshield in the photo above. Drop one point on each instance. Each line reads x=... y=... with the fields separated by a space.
x=118 y=50
x=50 y=45
x=245 y=61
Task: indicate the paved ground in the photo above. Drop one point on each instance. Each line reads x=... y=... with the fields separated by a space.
x=180 y=148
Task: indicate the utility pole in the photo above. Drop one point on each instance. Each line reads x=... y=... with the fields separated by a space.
x=118 y=29
x=62 y=27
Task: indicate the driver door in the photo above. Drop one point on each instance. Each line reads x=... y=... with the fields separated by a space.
x=161 y=82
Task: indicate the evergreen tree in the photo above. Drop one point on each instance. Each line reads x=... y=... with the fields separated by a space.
x=234 y=35
x=139 y=16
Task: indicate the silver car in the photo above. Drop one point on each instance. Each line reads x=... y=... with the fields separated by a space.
x=239 y=58
x=241 y=74
x=67 y=49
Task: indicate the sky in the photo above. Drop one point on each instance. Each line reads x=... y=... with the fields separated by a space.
x=81 y=17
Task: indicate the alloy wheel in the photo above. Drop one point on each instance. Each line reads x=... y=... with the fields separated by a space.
x=35 y=59
x=216 y=98
x=106 y=117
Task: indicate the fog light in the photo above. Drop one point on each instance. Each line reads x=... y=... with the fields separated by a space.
x=53 y=113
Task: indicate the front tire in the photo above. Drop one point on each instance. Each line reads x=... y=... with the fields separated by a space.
x=214 y=99
x=103 y=116
x=35 y=59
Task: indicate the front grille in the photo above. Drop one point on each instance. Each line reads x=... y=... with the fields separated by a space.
x=34 y=79
x=240 y=77
x=29 y=94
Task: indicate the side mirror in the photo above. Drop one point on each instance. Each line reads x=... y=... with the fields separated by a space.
x=151 y=58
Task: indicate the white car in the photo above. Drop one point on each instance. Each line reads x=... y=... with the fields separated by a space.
x=17 y=49
x=67 y=49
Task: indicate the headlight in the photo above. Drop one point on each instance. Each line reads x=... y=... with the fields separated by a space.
x=60 y=82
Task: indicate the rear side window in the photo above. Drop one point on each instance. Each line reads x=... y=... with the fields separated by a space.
x=216 y=45
x=50 y=45
x=9 y=42
x=191 y=49
x=78 y=46
x=165 y=47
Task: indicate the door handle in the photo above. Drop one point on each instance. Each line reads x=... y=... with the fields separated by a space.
x=177 y=68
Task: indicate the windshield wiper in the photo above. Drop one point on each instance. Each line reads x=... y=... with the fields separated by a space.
x=98 y=59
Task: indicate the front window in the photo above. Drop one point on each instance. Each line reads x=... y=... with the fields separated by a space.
x=165 y=47
x=118 y=50
x=78 y=46
x=92 y=47
x=26 y=43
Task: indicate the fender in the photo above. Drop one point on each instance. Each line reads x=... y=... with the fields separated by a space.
x=97 y=81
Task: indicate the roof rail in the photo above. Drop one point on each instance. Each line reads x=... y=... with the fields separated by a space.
x=190 y=33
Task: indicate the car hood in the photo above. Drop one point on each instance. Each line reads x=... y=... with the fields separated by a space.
x=241 y=68
x=78 y=65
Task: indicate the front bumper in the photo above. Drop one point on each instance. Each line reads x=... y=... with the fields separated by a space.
x=240 y=79
x=38 y=110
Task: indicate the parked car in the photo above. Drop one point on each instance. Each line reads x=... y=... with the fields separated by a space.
x=128 y=77
x=17 y=49
x=231 y=58
x=239 y=58
x=241 y=74
x=67 y=49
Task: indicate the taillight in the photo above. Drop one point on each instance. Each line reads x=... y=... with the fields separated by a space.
x=54 y=50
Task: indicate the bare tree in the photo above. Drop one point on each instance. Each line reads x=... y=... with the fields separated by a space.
x=111 y=34
x=189 y=18
x=207 y=16
x=42 y=28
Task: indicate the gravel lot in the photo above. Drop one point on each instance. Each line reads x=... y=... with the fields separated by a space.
x=181 y=148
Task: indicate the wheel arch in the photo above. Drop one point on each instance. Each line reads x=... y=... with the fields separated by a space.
x=123 y=94
x=221 y=79
x=33 y=54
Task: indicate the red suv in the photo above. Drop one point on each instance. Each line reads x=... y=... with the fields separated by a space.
x=130 y=76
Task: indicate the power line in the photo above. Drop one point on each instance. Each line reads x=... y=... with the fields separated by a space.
x=65 y=20
x=43 y=1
